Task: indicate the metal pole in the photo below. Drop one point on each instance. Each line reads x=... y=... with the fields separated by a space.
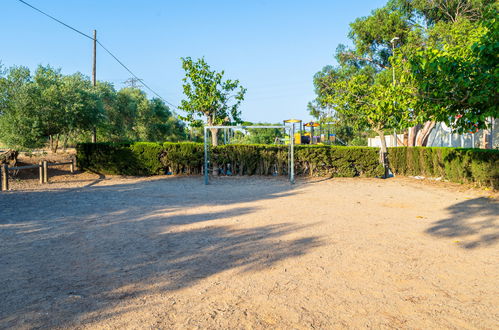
x=5 y=177
x=472 y=140
x=205 y=156
x=292 y=155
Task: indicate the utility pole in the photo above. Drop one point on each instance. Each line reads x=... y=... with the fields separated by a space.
x=94 y=81
x=393 y=82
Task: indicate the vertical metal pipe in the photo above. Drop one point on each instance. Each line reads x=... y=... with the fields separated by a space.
x=472 y=140
x=292 y=156
x=205 y=156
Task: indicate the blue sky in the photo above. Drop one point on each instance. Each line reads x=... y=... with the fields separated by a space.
x=273 y=47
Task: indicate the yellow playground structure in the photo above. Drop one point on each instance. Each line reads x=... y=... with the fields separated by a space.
x=316 y=134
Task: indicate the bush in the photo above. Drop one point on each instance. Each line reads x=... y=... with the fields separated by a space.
x=144 y=158
x=141 y=158
x=479 y=166
x=183 y=157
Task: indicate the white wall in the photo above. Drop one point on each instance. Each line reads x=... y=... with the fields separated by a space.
x=441 y=137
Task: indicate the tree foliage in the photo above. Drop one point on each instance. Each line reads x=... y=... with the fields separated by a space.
x=415 y=62
x=209 y=95
x=49 y=106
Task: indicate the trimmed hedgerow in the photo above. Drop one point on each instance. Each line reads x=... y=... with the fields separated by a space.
x=143 y=158
x=182 y=157
x=480 y=166
x=148 y=157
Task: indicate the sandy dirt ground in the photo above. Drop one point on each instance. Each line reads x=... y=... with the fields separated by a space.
x=92 y=252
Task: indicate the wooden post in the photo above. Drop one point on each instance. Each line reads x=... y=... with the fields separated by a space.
x=72 y=165
x=45 y=172
x=5 y=177
x=40 y=171
x=94 y=79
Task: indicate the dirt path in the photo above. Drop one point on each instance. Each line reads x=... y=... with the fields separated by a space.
x=169 y=252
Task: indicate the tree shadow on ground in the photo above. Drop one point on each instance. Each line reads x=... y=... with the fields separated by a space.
x=475 y=222
x=104 y=244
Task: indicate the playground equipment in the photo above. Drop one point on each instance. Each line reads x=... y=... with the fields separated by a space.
x=301 y=135
x=297 y=137
x=313 y=139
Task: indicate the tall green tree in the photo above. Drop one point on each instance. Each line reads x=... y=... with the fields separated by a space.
x=19 y=124
x=427 y=47
x=457 y=74
x=208 y=95
x=48 y=106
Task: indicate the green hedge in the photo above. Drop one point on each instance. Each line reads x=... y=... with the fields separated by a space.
x=461 y=165
x=144 y=158
x=141 y=158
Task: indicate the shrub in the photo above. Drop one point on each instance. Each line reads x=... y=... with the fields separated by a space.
x=183 y=157
x=140 y=158
x=144 y=158
x=479 y=166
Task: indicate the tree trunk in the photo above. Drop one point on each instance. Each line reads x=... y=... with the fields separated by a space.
x=55 y=144
x=413 y=132
x=424 y=134
x=65 y=143
x=383 y=151
x=214 y=136
x=382 y=140
x=418 y=135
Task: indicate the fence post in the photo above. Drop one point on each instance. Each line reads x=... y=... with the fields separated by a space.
x=72 y=165
x=5 y=177
x=45 y=172
x=40 y=171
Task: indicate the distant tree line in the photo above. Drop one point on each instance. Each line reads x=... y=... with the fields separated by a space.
x=47 y=107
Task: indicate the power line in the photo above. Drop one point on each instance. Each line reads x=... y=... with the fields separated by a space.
x=103 y=47
x=134 y=75
x=55 y=19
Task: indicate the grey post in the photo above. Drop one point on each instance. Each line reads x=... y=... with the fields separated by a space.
x=205 y=156
x=5 y=177
x=40 y=171
x=45 y=172
x=291 y=155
